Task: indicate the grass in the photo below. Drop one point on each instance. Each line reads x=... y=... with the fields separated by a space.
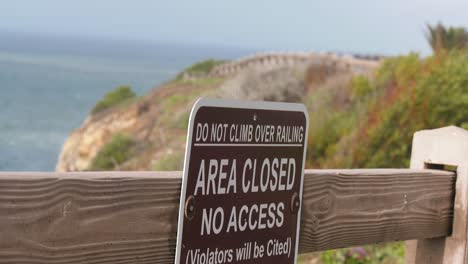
x=175 y=113
x=115 y=152
x=203 y=81
x=200 y=69
x=118 y=96
x=361 y=86
x=392 y=253
x=171 y=162
x=181 y=121
x=177 y=106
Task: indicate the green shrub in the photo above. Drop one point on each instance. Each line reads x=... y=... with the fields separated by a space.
x=200 y=68
x=372 y=254
x=408 y=94
x=438 y=98
x=443 y=39
x=408 y=68
x=360 y=86
x=118 y=96
x=177 y=99
x=171 y=162
x=181 y=121
x=330 y=127
x=115 y=152
x=465 y=125
x=399 y=70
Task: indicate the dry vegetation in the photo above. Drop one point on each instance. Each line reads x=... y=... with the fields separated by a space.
x=283 y=85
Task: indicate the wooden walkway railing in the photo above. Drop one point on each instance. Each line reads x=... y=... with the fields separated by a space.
x=115 y=217
x=131 y=217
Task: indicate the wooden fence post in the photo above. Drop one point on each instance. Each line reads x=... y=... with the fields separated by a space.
x=443 y=148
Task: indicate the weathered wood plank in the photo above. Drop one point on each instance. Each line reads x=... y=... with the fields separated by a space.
x=345 y=208
x=88 y=217
x=131 y=217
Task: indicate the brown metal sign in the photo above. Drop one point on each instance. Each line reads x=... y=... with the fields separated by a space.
x=242 y=184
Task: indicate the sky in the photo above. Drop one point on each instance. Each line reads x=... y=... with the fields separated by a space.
x=362 y=26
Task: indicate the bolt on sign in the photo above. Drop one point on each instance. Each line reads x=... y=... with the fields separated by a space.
x=242 y=183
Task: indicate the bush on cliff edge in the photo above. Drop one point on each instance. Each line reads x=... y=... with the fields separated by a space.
x=118 y=96
x=115 y=152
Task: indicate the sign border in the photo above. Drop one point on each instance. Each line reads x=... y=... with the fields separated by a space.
x=239 y=104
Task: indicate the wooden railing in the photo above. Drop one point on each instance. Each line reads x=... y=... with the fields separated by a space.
x=131 y=217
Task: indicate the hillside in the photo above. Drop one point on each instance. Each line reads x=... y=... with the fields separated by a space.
x=359 y=118
x=148 y=133
x=379 y=108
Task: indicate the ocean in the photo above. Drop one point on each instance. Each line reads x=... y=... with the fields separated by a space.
x=49 y=84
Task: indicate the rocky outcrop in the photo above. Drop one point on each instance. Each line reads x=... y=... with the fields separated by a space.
x=83 y=144
x=155 y=122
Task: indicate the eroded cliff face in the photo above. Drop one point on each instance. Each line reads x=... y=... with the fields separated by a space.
x=155 y=122
x=83 y=144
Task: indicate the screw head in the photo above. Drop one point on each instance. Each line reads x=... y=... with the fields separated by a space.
x=295 y=203
x=190 y=208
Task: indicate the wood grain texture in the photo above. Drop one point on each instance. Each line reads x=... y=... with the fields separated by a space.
x=131 y=217
x=343 y=208
x=88 y=217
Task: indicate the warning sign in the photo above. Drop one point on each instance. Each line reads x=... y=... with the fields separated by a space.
x=242 y=183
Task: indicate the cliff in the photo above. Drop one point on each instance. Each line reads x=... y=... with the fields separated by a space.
x=148 y=133
x=155 y=123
